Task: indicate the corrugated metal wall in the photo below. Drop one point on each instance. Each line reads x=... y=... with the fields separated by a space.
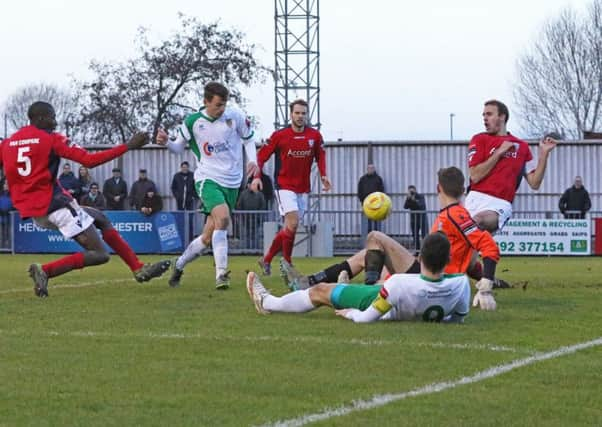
x=400 y=164
x=403 y=163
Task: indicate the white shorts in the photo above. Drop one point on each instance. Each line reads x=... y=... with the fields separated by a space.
x=289 y=201
x=477 y=202
x=70 y=221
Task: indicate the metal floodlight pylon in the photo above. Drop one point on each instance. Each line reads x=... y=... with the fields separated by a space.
x=297 y=59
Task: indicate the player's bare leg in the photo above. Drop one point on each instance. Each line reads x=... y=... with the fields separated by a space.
x=336 y=273
x=487 y=220
x=219 y=242
x=382 y=250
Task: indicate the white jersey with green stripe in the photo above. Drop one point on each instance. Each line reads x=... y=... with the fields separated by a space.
x=416 y=297
x=217 y=145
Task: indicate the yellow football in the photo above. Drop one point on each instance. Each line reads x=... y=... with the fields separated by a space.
x=377 y=206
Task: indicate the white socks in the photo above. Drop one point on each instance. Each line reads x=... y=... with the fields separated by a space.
x=193 y=251
x=295 y=302
x=219 y=243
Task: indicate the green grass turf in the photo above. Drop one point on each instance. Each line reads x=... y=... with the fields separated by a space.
x=103 y=350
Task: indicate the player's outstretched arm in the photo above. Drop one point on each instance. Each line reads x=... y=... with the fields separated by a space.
x=175 y=146
x=73 y=152
x=139 y=140
x=535 y=177
x=369 y=315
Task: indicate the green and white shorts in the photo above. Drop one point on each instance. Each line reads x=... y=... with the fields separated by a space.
x=354 y=296
x=212 y=194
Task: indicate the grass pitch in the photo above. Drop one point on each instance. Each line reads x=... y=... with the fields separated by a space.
x=104 y=350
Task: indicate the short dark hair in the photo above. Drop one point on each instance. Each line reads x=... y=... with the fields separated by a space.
x=435 y=252
x=501 y=108
x=298 y=102
x=94 y=185
x=215 y=89
x=39 y=108
x=451 y=181
x=184 y=163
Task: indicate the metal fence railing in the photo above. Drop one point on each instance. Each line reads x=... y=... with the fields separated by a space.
x=349 y=228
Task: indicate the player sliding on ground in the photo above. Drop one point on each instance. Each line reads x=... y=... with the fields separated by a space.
x=429 y=296
x=381 y=250
x=31 y=159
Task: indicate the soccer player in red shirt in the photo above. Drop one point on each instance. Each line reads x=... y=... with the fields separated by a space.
x=297 y=146
x=497 y=162
x=31 y=159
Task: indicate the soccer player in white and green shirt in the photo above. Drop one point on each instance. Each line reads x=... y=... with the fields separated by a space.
x=216 y=135
x=429 y=296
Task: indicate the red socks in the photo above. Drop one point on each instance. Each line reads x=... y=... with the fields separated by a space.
x=274 y=248
x=284 y=241
x=63 y=265
x=288 y=240
x=121 y=248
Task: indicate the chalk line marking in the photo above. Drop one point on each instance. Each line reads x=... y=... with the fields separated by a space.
x=384 y=399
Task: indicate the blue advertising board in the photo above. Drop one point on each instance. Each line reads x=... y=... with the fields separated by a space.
x=162 y=232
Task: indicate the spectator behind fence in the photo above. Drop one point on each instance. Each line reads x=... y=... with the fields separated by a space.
x=94 y=198
x=69 y=182
x=418 y=222
x=182 y=188
x=369 y=183
x=151 y=203
x=251 y=224
x=85 y=180
x=115 y=190
x=6 y=205
x=140 y=188
x=575 y=198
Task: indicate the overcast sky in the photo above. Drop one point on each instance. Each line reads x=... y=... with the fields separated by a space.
x=390 y=70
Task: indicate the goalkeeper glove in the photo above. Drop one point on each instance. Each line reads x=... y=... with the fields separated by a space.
x=139 y=140
x=484 y=296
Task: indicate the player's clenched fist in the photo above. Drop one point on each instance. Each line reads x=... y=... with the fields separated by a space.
x=139 y=140
x=162 y=137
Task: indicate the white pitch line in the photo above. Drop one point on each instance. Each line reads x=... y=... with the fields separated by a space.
x=268 y=338
x=384 y=399
x=65 y=286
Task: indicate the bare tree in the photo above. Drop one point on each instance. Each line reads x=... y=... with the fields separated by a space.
x=17 y=104
x=164 y=83
x=559 y=84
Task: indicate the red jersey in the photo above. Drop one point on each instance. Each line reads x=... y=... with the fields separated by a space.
x=31 y=161
x=505 y=177
x=464 y=236
x=296 y=151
